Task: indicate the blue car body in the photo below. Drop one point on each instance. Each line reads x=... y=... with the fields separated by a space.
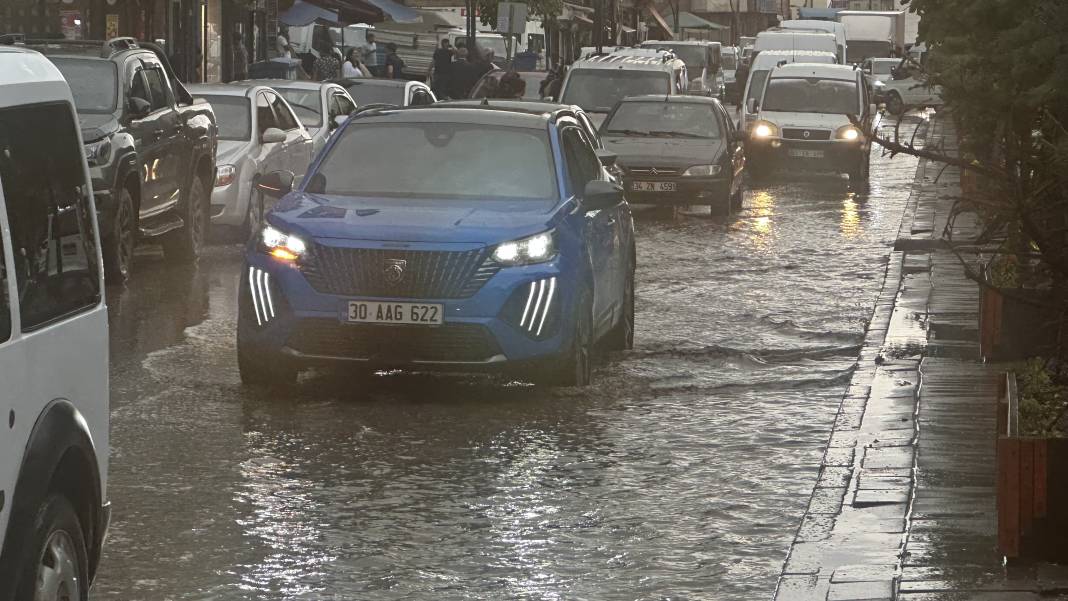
x=293 y=313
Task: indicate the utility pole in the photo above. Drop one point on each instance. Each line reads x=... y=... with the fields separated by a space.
x=598 y=25
x=471 y=5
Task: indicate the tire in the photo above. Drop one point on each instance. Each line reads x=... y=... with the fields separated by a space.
x=252 y=216
x=57 y=562
x=183 y=245
x=574 y=367
x=118 y=247
x=259 y=370
x=894 y=104
x=859 y=176
x=621 y=338
x=737 y=199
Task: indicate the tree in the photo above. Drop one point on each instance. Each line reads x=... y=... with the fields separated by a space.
x=487 y=9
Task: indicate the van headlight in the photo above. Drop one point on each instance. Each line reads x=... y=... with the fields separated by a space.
x=847 y=133
x=527 y=251
x=764 y=130
x=281 y=245
x=702 y=171
x=99 y=152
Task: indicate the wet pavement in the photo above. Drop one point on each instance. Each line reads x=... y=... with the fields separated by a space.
x=682 y=473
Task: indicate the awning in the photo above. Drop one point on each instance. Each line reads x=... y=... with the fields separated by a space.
x=303 y=13
x=660 y=20
x=396 y=11
x=692 y=21
x=626 y=29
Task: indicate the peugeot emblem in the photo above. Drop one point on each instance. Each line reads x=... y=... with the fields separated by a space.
x=394 y=271
x=806 y=134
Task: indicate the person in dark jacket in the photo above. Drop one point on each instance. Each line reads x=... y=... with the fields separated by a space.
x=463 y=75
x=240 y=62
x=442 y=68
x=394 y=63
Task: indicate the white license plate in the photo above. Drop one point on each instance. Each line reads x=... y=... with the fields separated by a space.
x=653 y=186
x=806 y=154
x=407 y=313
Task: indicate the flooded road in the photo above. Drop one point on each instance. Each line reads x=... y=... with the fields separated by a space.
x=682 y=473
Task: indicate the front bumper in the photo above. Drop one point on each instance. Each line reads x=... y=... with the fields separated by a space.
x=479 y=333
x=840 y=156
x=229 y=203
x=689 y=190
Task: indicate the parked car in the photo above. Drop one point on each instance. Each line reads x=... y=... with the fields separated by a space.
x=251 y=143
x=677 y=150
x=54 y=510
x=906 y=88
x=318 y=105
x=803 y=120
x=512 y=251
x=704 y=64
x=367 y=92
x=599 y=82
x=488 y=84
x=151 y=148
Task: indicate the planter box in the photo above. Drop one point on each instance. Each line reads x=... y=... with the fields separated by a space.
x=1011 y=328
x=1032 y=487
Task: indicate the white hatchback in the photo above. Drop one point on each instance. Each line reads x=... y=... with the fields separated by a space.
x=53 y=342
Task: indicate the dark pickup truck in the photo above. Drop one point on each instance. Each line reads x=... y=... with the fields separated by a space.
x=150 y=146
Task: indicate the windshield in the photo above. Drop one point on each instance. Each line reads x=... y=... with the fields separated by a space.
x=93 y=83
x=452 y=160
x=598 y=90
x=811 y=95
x=667 y=119
x=881 y=67
x=695 y=57
x=233 y=114
x=305 y=104
x=730 y=61
x=371 y=94
x=757 y=79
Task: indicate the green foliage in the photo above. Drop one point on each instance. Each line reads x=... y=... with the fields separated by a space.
x=1043 y=400
x=487 y=9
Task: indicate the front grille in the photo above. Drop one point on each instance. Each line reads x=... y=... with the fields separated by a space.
x=374 y=272
x=447 y=343
x=653 y=171
x=799 y=134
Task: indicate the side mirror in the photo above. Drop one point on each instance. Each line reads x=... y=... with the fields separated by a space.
x=339 y=121
x=601 y=195
x=272 y=135
x=276 y=183
x=751 y=105
x=608 y=159
x=139 y=107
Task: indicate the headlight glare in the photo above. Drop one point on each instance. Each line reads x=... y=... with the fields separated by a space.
x=281 y=245
x=848 y=133
x=702 y=171
x=763 y=129
x=535 y=249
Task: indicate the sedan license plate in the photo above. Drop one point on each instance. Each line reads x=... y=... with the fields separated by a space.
x=806 y=154
x=426 y=314
x=653 y=186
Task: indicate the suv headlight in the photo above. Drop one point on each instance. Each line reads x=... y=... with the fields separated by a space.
x=847 y=133
x=99 y=152
x=764 y=130
x=224 y=175
x=527 y=251
x=281 y=245
x=702 y=171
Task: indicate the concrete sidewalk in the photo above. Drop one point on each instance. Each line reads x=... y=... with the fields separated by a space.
x=904 y=507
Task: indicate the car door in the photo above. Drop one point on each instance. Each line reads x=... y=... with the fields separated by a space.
x=12 y=365
x=149 y=144
x=602 y=240
x=173 y=149
x=273 y=157
x=298 y=148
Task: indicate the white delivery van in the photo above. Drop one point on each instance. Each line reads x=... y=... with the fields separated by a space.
x=814 y=41
x=758 y=75
x=815 y=25
x=53 y=342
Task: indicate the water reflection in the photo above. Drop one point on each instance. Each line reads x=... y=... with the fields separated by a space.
x=850 y=225
x=762 y=207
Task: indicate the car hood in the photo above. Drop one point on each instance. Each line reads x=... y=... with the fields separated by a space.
x=805 y=120
x=232 y=151
x=95 y=127
x=663 y=152
x=407 y=220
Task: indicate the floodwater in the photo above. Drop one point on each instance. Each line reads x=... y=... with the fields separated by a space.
x=682 y=473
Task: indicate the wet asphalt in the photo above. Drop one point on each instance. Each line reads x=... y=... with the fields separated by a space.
x=682 y=473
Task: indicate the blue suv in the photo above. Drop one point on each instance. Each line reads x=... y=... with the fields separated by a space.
x=444 y=238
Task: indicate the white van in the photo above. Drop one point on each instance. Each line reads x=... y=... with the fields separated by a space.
x=817 y=26
x=796 y=40
x=53 y=342
x=758 y=74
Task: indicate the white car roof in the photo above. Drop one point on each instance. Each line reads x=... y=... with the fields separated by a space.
x=662 y=61
x=842 y=72
x=26 y=77
x=769 y=58
x=803 y=24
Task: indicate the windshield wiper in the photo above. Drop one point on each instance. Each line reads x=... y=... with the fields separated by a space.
x=627 y=132
x=675 y=134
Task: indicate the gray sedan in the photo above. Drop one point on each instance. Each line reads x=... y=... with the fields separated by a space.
x=318 y=106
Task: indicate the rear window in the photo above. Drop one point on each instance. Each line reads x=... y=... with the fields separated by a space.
x=452 y=160
x=373 y=94
x=94 y=83
x=881 y=67
x=598 y=90
x=730 y=61
x=233 y=114
x=811 y=95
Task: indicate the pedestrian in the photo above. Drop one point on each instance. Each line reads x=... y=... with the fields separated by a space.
x=511 y=87
x=281 y=43
x=326 y=66
x=550 y=87
x=353 y=67
x=370 y=55
x=240 y=58
x=463 y=75
x=442 y=66
x=394 y=63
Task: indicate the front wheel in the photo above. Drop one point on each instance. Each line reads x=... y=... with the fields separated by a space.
x=118 y=247
x=183 y=245
x=621 y=338
x=860 y=174
x=575 y=366
x=894 y=104
x=58 y=562
x=261 y=369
